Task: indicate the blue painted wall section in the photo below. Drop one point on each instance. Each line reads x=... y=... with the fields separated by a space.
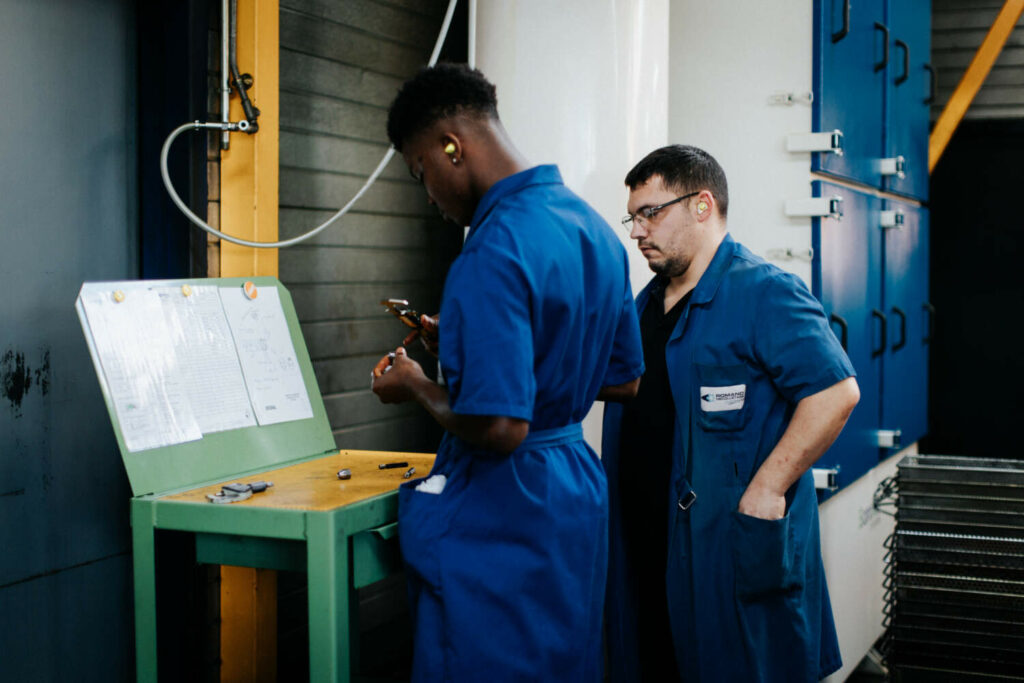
x=68 y=214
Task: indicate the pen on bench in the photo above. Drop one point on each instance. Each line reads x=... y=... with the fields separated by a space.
x=409 y=473
x=391 y=465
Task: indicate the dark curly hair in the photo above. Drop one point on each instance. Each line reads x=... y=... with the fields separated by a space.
x=683 y=168
x=435 y=93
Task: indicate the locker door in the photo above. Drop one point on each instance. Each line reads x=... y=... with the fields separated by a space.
x=905 y=369
x=847 y=281
x=908 y=94
x=849 y=84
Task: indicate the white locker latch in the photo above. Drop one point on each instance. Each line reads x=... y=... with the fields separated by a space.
x=816 y=207
x=892 y=219
x=888 y=438
x=896 y=166
x=816 y=142
x=790 y=253
x=825 y=479
x=791 y=98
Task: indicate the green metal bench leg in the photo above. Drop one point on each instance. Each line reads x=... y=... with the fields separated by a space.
x=144 y=562
x=327 y=566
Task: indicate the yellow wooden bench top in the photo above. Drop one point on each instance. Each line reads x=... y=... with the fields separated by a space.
x=314 y=484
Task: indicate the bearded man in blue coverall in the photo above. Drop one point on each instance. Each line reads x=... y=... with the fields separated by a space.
x=715 y=568
x=507 y=558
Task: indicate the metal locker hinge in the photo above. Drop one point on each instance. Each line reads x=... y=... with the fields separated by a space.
x=892 y=219
x=896 y=166
x=790 y=253
x=816 y=207
x=888 y=438
x=825 y=479
x=816 y=142
x=791 y=98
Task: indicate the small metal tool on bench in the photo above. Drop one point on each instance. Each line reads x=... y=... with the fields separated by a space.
x=232 y=493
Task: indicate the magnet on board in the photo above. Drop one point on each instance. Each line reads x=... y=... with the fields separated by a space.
x=250 y=290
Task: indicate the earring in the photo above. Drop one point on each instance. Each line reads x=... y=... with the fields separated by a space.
x=702 y=207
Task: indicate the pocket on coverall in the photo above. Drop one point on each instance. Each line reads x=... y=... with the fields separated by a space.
x=765 y=556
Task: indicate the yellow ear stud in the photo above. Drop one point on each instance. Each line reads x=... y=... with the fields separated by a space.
x=449 y=148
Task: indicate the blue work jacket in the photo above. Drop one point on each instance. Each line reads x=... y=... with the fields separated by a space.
x=507 y=564
x=747 y=597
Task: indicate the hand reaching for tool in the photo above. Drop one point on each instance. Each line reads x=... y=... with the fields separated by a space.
x=427 y=334
x=395 y=377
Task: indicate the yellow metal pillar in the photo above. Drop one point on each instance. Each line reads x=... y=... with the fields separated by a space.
x=248 y=209
x=972 y=79
x=248 y=170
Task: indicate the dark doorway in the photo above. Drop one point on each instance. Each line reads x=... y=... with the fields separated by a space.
x=977 y=236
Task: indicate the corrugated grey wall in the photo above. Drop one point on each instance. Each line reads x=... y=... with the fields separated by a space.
x=341 y=64
x=958 y=28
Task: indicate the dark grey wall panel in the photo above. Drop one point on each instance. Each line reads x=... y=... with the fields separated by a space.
x=68 y=213
x=379 y=19
x=341 y=65
x=75 y=625
x=353 y=409
x=322 y=114
x=323 y=152
x=339 y=264
x=67 y=169
x=356 y=229
x=307 y=73
x=350 y=337
x=311 y=35
x=316 y=303
x=401 y=434
x=323 y=190
x=345 y=374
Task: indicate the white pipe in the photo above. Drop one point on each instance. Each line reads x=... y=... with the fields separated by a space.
x=227 y=126
x=225 y=87
x=471 y=39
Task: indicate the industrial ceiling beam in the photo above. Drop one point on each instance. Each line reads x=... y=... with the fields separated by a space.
x=972 y=79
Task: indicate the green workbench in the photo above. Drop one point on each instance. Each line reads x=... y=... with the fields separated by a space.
x=342 y=534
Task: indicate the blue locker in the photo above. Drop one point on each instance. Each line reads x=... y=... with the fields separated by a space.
x=905 y=366
x=846 y=279
x=850 y=58
x=910 y=83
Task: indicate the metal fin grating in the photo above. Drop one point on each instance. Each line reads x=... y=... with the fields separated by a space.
x=955 y=574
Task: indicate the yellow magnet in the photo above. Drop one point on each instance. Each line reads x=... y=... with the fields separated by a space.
x=186 y=290
x=118 y=296
x=250 y=290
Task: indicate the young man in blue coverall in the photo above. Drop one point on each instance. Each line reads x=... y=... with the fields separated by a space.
x=715 y=567
x=507 y=562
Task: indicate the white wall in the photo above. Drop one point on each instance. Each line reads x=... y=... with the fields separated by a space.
x=727 y=59
x=584 y=84
x=852 y=538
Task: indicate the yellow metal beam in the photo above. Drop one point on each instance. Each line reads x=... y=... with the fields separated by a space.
x=248 y=170
x=972 y=79
x=248 y=209
x=248 y=629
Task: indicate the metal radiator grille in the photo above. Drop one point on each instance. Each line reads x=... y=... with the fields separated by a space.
x=955 y=574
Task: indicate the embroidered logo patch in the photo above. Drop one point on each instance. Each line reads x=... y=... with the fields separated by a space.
x=717 y=399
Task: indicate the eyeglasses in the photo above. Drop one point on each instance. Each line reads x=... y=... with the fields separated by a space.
x=648 y=212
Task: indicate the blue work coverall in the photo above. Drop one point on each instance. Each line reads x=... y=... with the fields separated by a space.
x=507 y=565
x=747 y=597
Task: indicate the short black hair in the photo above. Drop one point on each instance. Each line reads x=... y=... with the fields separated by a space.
x=683 y=168
x=435 y=93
